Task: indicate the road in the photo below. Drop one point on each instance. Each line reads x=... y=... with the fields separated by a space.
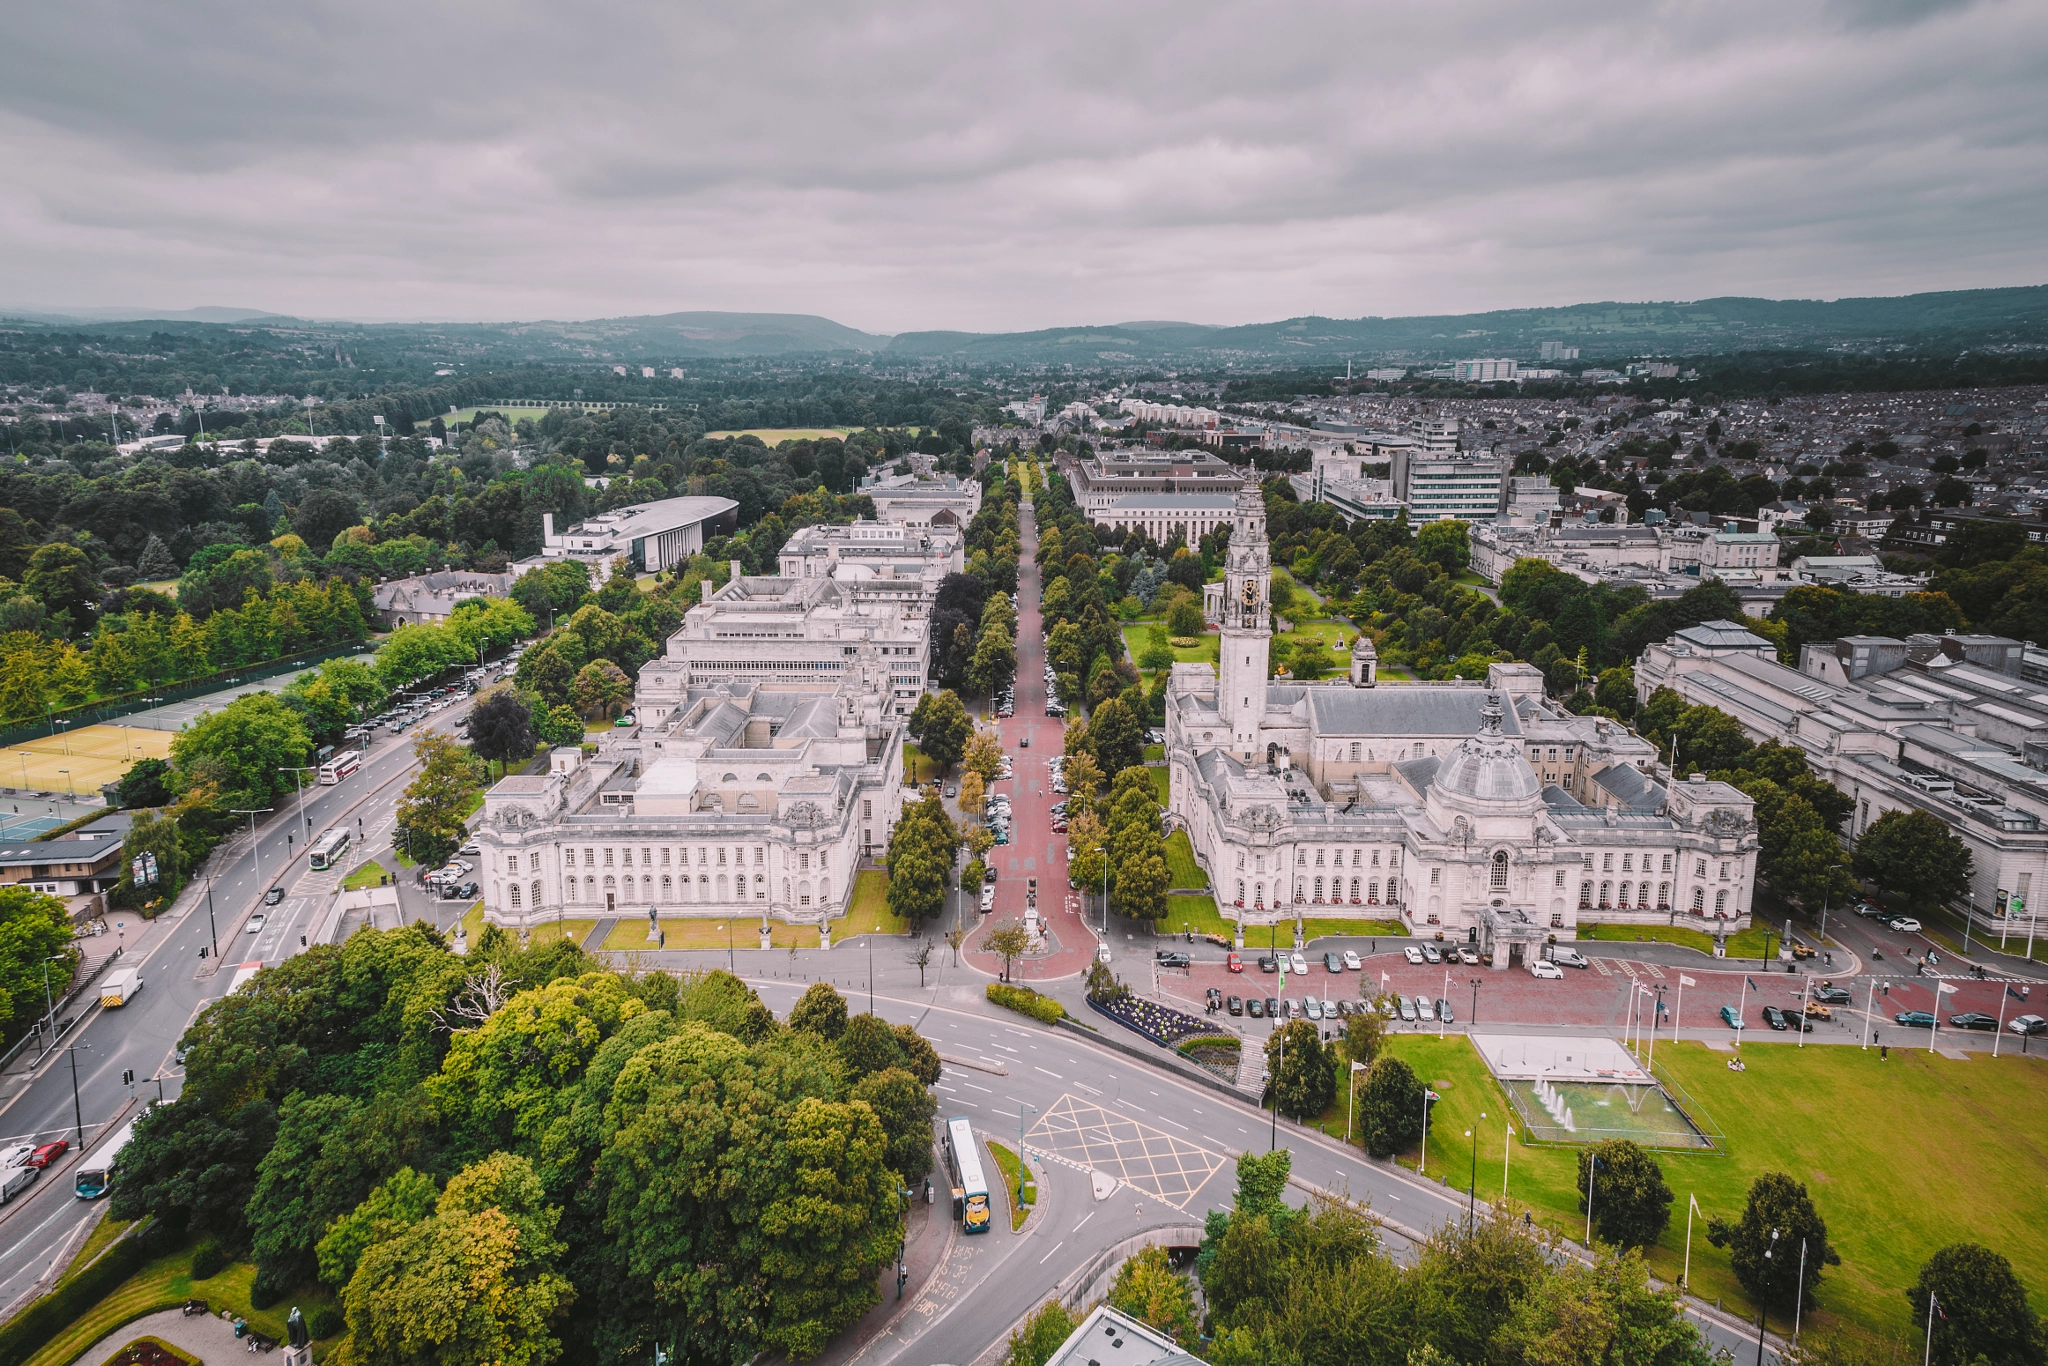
x=40 y=1226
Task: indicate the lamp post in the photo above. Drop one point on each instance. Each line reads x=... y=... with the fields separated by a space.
x=1474 y=1020
x=299 y=784
x=49 y=1006
x=1763 y=1306
x=1825 y=889
x=1273 y=1140
x=1592 y=1172
x=1972 y=915
x=77 y=1110
x=1351 y=1098
x=69 y=790
x=255 y=850
x=1472 y=1190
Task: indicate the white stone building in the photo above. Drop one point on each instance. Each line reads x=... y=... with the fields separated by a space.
x=650 y=537
x=923 y=502
x=878 y=560
x=1479 y=810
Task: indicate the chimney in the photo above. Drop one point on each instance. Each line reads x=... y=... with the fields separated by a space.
x=734 y=566
x=547 y=527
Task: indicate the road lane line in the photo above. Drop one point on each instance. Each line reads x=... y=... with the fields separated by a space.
x=1055 y=1248
x=1054 y=1075
x=972 y=1087
x=1084 y=1219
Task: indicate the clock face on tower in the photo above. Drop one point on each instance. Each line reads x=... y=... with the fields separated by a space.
x=1250 y=597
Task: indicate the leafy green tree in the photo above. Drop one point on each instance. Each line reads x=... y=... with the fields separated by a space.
x=1389 y=1107
x=1364 y=1035
x=920 y=860
x=920 y=1059
x=153 y=837
x=1631 y=1203
x=867 y=1046
x=941 y=727
x=433 y=807
x=1912 y=854
x=1447 y=543
x=560 y=726
x=602 y=689
x=146 y=783
x=401 y=1200
x=1116 y=736
x=241 y=750
x=34 y=928
x=1768 y=1266
x=1605 y=1312
x=62 y=579
x=1137 y=850
x=994 y=662
x=1184 y=616
x=821 y=1010
x=1150 y=1290
x=1304 y=1078
x=1984 y=1316
x=323 y=1164
x=1043 y=1334
x=906 y=1108
x=475 y=1283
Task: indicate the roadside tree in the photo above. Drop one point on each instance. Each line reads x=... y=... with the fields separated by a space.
x=1631 y=1203
x=1389 y=1107
x=1303 y=1072
x=1983 y=1313
x=435 y=803
x=1777 y=1205
x=1913 y=854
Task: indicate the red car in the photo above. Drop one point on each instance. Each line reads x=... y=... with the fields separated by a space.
x=48 y=1153
x=1234 y=963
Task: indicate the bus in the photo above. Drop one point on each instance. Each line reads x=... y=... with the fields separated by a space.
x=970 y=1187
x=96 y=1173
x=328 y=849
x=340 y=766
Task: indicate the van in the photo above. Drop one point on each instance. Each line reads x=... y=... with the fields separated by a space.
x=15 y=1180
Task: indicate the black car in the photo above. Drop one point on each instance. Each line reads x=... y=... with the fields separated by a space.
x=1171 y=958
x=1332 y=963
x=273 y=896
x=1973 y=1019
x=1213 y=998
x=1831 y=996
x=1775 y=1018
x=1255 y=1008
x=1273 y=1009
x=1268 y=963
x=1235 y=1004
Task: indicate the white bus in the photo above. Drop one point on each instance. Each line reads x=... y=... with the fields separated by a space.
x=970 y=1187
x=328 y=849
x=340 y=766
x=96 y=1173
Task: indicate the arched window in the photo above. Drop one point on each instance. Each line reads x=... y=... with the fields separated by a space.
x=569 y=890
x=1606 y=895
x=1720 y=904
x=721 y=887
x=1259 y=894
x=515 y=896
x=1699 y=900
x=1300 y=890
x=1585 y=896
x=1372 y=893
x=1500 y=871
x=824 y=891
x=1319 y=886
x=1663 y=896
x=536 y=895
x=1354 y=891
x=1624 y=895
x=1240 y=892
x=803 y=893
x=667 y=888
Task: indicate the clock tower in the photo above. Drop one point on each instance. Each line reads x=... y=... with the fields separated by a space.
x=1247 y=623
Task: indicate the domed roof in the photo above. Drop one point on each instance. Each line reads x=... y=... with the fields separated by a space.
x=1489 y=766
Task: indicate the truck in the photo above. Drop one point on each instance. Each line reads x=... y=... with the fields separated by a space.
x=120 y=987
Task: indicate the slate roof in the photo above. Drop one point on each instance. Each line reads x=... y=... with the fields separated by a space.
x=1402 y=709
x=1630 y=787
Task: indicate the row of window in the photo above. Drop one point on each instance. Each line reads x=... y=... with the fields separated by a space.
x=708 y=856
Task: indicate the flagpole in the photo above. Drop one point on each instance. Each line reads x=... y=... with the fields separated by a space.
x=2003 y=992
x=1799 y=1305
x=1742 y=1010
x=1928 y=1355
x=1683 y=982
x=1652 y=1064
x=1805 y=994
x=1692 y=1205
x=1869 y=1005
x=1939 y=989
x=1507 y=1149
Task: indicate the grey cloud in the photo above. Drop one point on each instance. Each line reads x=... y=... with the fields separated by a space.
x=921 y=165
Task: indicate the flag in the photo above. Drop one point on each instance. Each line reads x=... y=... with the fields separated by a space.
x=1694 y=1202
x=1686 y=981
x=2017 y=996
x=1940 y=987
x=1752 y=984
x=1934 y=1303
x=1428 y=1095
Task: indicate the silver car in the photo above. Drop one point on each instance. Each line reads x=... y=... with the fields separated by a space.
x=1425 y=1010
x=1312 y=1008
x=1407 y=1010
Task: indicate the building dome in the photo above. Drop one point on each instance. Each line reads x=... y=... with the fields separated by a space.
x=1490 y=766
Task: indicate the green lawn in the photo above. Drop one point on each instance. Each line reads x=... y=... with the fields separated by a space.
x=1748 y=944
x=165 y=1284
x=1155 y=753
x=1898 y=1157
x=1021 y=1190
x=1162 y=783
x=1203 y=651
x=1181 y=868
x=371 y=874
x=916 y=767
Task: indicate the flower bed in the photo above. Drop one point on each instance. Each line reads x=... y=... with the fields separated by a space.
x=1161 y=1024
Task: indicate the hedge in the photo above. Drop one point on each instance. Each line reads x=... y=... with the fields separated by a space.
x=27 y=1332
x=1023 y=1000
x=1218 y=1041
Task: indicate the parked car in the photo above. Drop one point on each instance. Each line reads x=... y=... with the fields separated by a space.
x=16 y=1154
x=1172 y=958
x=273 y=896
x=988 y=897
x=2027 y=1024
x=1775 y=1018
x=1234 y=1004
x=1351 y=960
x=1297 y=965
x=1268 y=963
x=1412 y=954
x=1730 y=1018
x=1332 y=963
x=1546 y=970
x=48 y=1153
x=1816 y=1011
x=1213 y=999
x=1407 y=1009
x=1311 y=1007
x=15 y=1180
x=1973 y=1019
x=1920 y=1019
x=1443 y=1011
x=1255 y=1008
x=1829 y=994
x=1431 y=954
x=1424 y=1010
x=1570 y=958
x=1905 y=924
x=1346 y=1010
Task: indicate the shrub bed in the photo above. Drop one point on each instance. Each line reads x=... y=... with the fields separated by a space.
x=1025 y=1001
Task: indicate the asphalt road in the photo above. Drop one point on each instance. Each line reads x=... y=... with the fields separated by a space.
x=39 y=1225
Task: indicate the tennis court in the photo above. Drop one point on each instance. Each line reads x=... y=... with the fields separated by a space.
x=78 y=762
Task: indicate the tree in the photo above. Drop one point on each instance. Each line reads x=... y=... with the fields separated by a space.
x=153 y=860
x=1150 y=1290
x=1184 y=616
x=155 y=564
x=1304 y=1081
x=920 y=860
x=1983 y=1315
x=1116 y=737
x=1009 y=941
x=1365 y=1033
x=435 y=802
x=62 y=579
x=867 y=1046
x=973 y=795
x=241 y=751
x=1602 y=1313
x=920 y=1059
x=501 y=726
x=984 y=754
x=821 y=1010
x=561 y=726
x=400 y=1201
x=1084 y=783
x=1087 y=846
x=941 y=727
x=995 y=660
x=474 y=1283
x=1043 y=1334
x=1763 y=1246
x=319 y=1169
x=323 y=515
x=1136 y=849
x=906 y=1108
x=602 y=689
x=146 y=783
x=34 y=928
x=1389 y=1107
x=1447 y=543
x=1912 y=853
x=1631 y=1203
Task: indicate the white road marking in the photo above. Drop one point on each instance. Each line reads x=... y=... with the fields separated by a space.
x=1174 y=1122
x=1054 y=1075
x=972 y=1087
x=1084 y=1219
x=1055 y=1248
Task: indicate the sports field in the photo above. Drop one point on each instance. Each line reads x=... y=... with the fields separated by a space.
x=1901 y=1157
x=775 y=436
x=94 y=755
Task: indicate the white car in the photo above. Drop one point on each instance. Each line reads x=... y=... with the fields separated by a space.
x=1351 y=960
x=255 y=923
x=1547 y=971
x=16 y=1155
x=1424 y=1010
x=1298 y=965
x=1906 y=925
x=1413 y=955
x=988 y=898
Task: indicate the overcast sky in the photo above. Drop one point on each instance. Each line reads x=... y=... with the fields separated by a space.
x=923 y=165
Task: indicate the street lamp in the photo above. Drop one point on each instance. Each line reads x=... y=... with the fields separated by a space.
x=1763 y=1305
x=1472 y=1191
x=68 y=788
x=49 y=1006
x=1826 y=887
x=1592 y=1172
x=255 y=850
x=299 y=783
x=1474 y=1020
x=1351 y=1100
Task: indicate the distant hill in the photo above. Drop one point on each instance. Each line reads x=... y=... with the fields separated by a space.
x=207 y=314
x=703 y=334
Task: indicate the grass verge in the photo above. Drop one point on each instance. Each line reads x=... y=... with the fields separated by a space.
x=1181 y=868
x=1162 y=780
x=1894 y=1154
x=1202 y=915
x=371 y=874
x=1025 y=1001
x=917 y=767
x=1748 y=944
x=1017 y=1184
x=167 y=1283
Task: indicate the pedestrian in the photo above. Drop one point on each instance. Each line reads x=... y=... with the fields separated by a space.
x=1884 y=1052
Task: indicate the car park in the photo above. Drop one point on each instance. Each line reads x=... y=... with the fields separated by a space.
x=1920 y=1019
x=1406 y=1008
x=1443 y=1011
x=47 y=1153
x=1545 y=970
x=1973 y=1019
x=1816 y=1011
x=1730 y=1018
x=1570 y=958
x=1431 y=954
x=1332 y=963
x=1346 y=1010
x=2027 y=1024
x=1268 y=963
x=1234 y=1004
x=1468 y=955
x=1424 y=1010
x=1412 y=954
x=1274 y=1009
x=1256 y=1008
x=1213 y=999
x=1905 y=924
x=1169 y=958
x=1351 y=960
x=273 y=896
x=1298 y=965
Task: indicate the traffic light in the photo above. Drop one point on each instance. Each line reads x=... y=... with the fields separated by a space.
x=128 y=1077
